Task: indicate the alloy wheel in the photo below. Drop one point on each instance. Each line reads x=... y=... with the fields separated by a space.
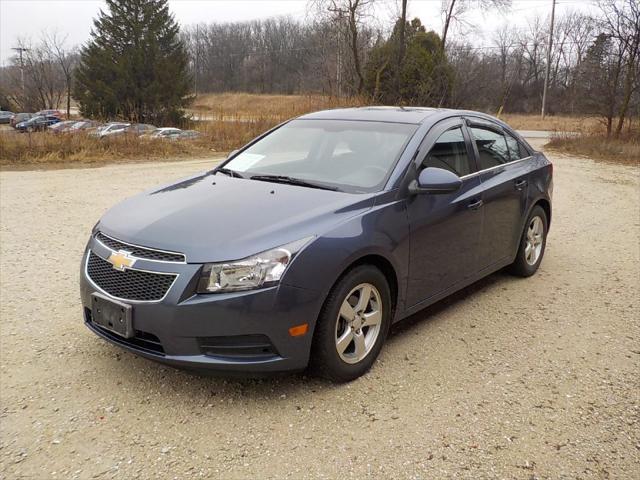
x=358 y=324
x=535 y=238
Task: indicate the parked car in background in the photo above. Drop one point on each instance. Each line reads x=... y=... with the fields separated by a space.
x=140 y=129
x=110 y=129
x=6 y=116
x=83 y=126
x=188 y=134
x=20 y=117
x=165 y=132
x=61 y=126
x=36 y=123
x=52 y=113
x=342 y=223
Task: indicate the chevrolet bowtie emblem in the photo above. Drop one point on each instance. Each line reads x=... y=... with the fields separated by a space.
x=121 y=260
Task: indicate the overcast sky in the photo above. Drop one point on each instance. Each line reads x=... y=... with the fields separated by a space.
x=28 y=18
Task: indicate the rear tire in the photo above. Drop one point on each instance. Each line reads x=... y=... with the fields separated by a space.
x=532 y=244
x=352 y=326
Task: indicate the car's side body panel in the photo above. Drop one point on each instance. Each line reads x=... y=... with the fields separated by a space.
x=380 y=231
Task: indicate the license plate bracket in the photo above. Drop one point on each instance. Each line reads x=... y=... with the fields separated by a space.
x=112 y=315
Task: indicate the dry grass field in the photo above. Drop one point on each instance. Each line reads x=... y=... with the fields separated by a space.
x=555 y=123
x=229 y=120
x=23 y=151
x=260 y=106
x=624 y=150
x=281 y=107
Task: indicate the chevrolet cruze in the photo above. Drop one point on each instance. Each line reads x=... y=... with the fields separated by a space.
x=305 y=246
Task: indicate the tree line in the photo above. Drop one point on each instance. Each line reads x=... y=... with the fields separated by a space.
x=342 y=50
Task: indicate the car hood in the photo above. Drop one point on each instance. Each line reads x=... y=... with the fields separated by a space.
x=213 y=218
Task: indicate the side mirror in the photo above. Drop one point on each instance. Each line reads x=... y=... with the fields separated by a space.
x=435 y=180
x=232 y=153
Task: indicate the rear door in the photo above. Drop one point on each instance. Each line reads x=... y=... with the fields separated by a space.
x=504 y=184
x=445 y=228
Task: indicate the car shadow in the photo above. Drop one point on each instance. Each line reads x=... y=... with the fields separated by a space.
x=431 y=313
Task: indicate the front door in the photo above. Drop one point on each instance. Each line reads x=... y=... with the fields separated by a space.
x=445 y=228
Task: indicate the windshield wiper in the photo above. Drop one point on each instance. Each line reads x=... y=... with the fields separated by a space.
x=228 y=171
x=292 y=181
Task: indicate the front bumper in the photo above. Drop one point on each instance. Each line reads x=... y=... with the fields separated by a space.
x=241 y=333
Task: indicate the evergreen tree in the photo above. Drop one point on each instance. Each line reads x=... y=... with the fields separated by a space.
x=135 y=65
x=425 y=77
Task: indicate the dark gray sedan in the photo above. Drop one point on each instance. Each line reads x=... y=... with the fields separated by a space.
x=308 y=243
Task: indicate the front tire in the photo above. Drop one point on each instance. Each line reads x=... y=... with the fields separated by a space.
x=532 y=244
x=352 y=326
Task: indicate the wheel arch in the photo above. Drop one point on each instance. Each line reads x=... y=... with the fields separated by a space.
x=388 y=270
x=546 y=206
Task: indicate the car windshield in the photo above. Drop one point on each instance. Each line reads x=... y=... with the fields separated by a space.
x=349 y=155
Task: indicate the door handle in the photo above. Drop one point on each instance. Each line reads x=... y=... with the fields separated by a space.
x=520 y=184
x=475 y=205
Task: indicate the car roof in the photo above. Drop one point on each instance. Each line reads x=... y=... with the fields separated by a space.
x=411 y=115
x=414 y=115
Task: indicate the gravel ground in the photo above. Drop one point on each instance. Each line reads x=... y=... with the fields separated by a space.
x=510 y=378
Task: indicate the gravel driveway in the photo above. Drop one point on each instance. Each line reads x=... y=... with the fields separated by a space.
x=510 y=378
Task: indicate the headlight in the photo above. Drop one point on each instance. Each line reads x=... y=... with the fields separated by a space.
x=261 y=270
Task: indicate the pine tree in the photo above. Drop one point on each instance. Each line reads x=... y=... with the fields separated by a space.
x=425 y=76
x=135 y=65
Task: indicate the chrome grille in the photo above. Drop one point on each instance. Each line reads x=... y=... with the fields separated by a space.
x=130 y=284
x=140 y=252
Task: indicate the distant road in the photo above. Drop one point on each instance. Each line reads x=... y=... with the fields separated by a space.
x=535 y=133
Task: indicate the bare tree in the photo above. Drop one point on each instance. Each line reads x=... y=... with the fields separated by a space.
x=621 y=22
x=67 y=59
x=505 y=41
x=455 y=11
x=351 y=13
x=43 y=79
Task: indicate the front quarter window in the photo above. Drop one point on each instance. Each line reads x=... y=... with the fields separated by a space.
x=450 y=153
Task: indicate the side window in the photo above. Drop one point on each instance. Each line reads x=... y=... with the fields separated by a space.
x=516 y=150
x=449 y=152
x=492 y=147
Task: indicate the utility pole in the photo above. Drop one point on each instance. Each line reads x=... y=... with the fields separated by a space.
x=195 y=70
x=548 y=69
x=338 y=57
x=20 y=51
x=338 y=71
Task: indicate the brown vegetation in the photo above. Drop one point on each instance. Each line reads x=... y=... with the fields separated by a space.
x=232 y=119
x=555 y=123
x=595 y=144
x=46 y=149
x=238 y=105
